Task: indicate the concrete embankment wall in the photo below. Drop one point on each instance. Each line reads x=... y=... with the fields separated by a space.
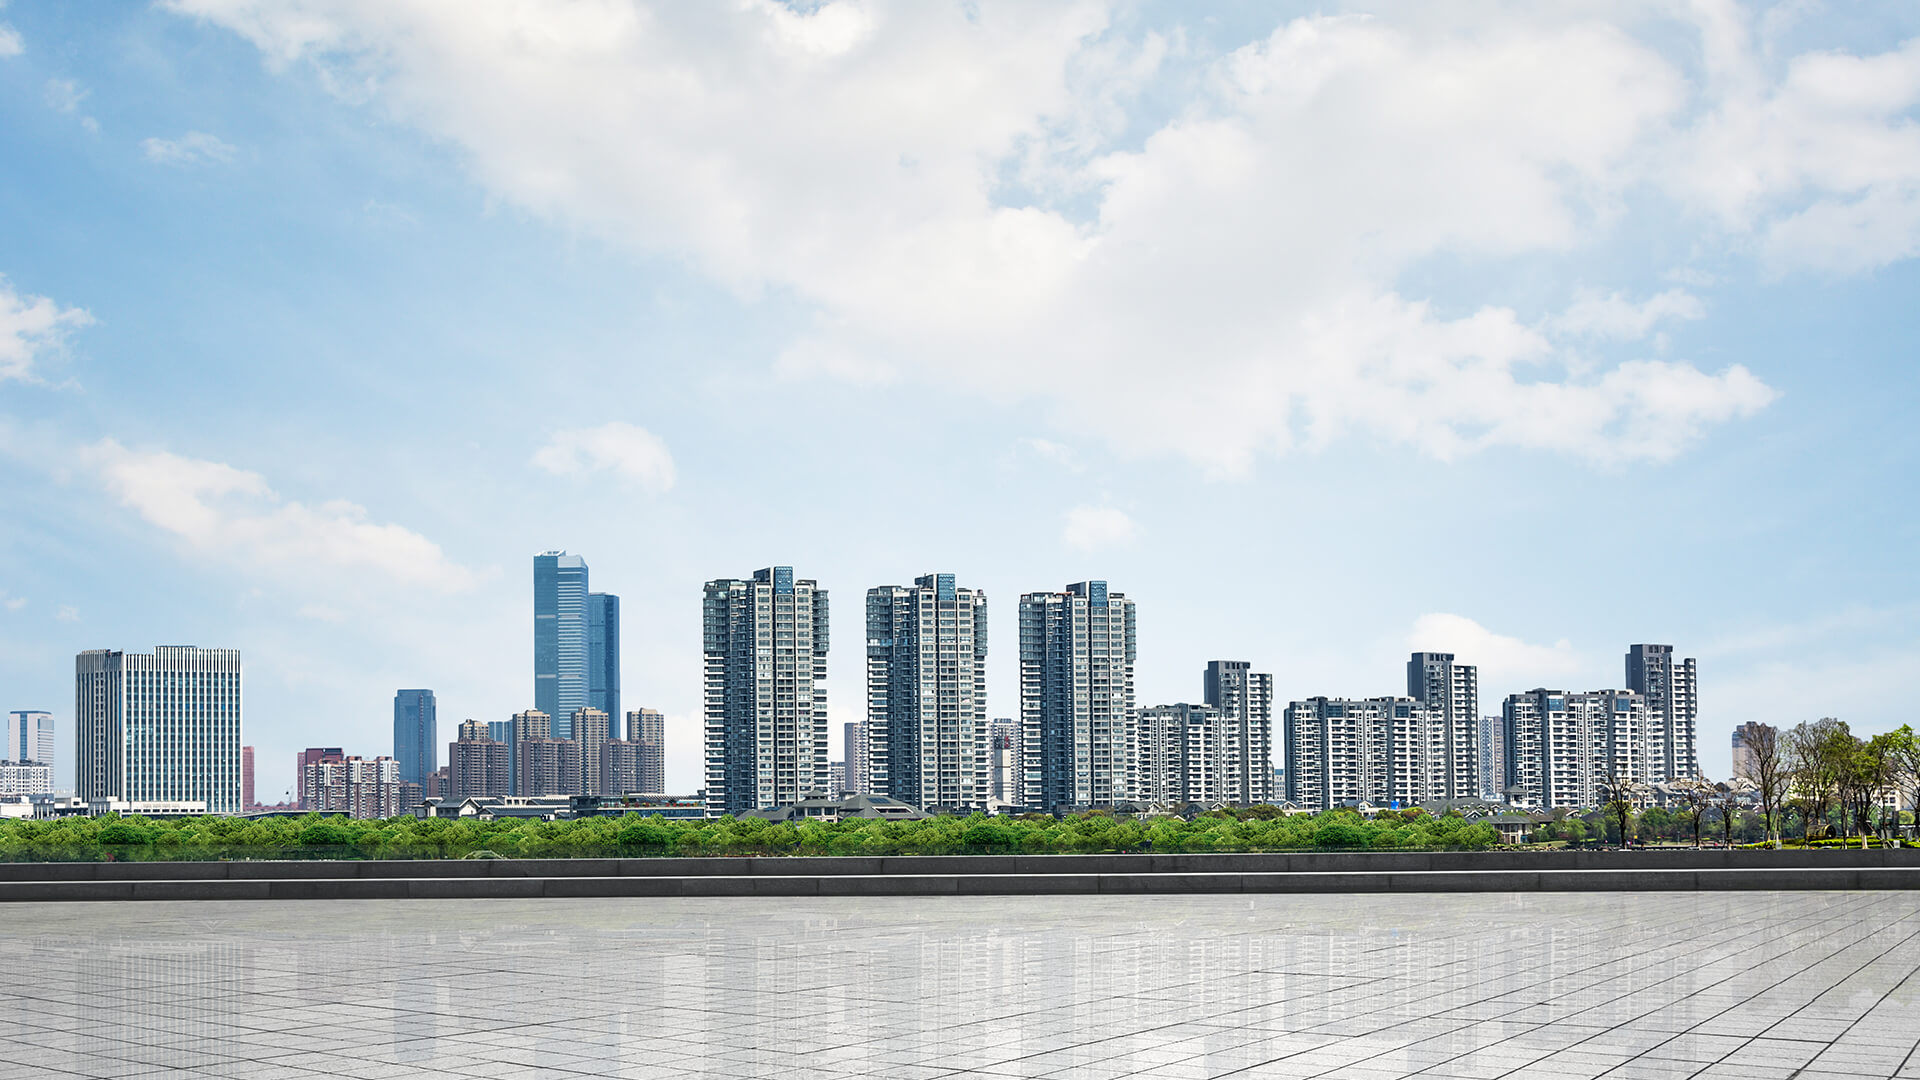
x=977 y=875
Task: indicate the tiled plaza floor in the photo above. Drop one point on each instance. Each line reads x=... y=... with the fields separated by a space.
x=1744 y=985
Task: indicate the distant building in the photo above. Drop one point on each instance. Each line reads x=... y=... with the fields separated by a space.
x=1493 y=759
x=1077 y=650
x=1180 y=756
x=1385 y=751
x=1565 y=749
x=765 y=642
x=561 y=668
x=1003 y=761
x=30 y=736
x=436 y=786
x=416 y=734
x=647 y=730
x=859 y=775
x=161 y=726
x=591 y=728
x=246 y=779
x=837 y=779
x=1245 y=701
x=1672 y=692
x=357 y=787
x=543 y=764
x=603 y=657
x=312 y=755
x=927 y=693
x=821 y=808
x=478 y=765
x=25 y=778
x=1745 y=738
x=1451 y=692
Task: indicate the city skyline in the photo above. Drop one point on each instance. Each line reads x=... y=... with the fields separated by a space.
x=303 y=351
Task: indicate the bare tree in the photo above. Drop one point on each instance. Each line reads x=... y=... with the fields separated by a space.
x=1695 y=796
x=1620 y=795
x=1727 y=799
x=1770 y=775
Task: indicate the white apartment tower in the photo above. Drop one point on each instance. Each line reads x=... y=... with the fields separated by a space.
x=1077 y=717
x=927 y=737
x=857 y=758
x=1383 y=751
x=1672 y=690
x=158 y=727
x=29 y=737
x=1452 y=691
x=766 y=690
x=1180 y=755
x=1564 y=749
x=1245 y=701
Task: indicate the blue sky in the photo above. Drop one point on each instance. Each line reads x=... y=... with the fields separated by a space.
x=1325 y=332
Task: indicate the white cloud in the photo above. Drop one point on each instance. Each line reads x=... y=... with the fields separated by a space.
x=1507 y=664
x=67 y=614
x=633 y=452
x=12 y=603
x=1089 y=528
x=29 y=327
x=959 y=195
x=64 y=95
x=193 y=148
x=10 y=43
x=1057 y=453
x=227 y=512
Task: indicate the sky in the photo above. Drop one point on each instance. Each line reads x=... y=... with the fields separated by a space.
x=1325 y=332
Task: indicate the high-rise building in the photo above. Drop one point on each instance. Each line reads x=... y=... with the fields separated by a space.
x=478 y=764
x=1385 y=751
x=416 y=735
x=311 y=755
x=766 y=690
x=561 y=669
x=1003 y=761
x=1672 y=690
x=603 y=657
x=159 y=727
x=1245 y=700
x=836 y=779
x=1077 y=650
x=1565 y=749
x=647 y=730
x=29 y=736
x=1181 y=754
x=246 y=779
x=1493 y=758
x=550 y=767
x=859 y=776
x=590 y=730
x=1451 y=691
x=357 y=787
x=1746 y=738
x=927 y=693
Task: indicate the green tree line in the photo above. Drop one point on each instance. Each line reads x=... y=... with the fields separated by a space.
x=633 y=835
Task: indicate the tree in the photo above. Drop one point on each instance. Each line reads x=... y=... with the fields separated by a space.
x=1619 y=794
x=1816 y=755
x=1903 y=755
x=1770 y=775
x=1695 y=796
x=1727 y=800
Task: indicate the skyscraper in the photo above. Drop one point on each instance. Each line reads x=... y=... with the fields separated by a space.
x=304 y=758
x=158 y=727
x=603 y=657
x=416 y=735
x=1493 y=758
x=858 y=773
x=1564 y=749
x=1180 y=754
x=647 y=729
x=1077 y=718
x=478 y=764
x=1672 y=690
x=927 y=693
x=1385 y=751
x=29 y=736
x=1451 y=691
x=590 y=729
x=765 y=642
x=1003 y=761
x=1245 y=701
x=561 y=672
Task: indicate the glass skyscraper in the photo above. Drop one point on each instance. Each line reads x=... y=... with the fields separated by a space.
x=158 y=727
x=561 y=671
x=416 y=742
x=603 y=657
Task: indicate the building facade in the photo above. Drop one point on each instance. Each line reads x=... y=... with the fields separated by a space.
x=859 y=775
x=1672 y=691
x=1244 y=698
x=1182 y=756
x=305 y=758
x=478 y=765
x=25 y=778
x=647 y=730
x=416 y=735
x=765 y=644
x=591 y=730
x=30 y=737
x=159 y=727
x=603 y=658
x=1077 y=651
x=927 y=693
x=561 y=667
x=1493 y=758
x=355 y=786
x=1566 y=750
x=1386 y=751
x=1451 y=691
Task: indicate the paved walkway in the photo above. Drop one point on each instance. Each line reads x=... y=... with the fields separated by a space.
x=1739 y=985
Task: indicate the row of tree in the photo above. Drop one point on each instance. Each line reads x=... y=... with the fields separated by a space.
x=1834 y=778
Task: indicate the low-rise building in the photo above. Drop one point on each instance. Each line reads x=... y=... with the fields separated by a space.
x=25 y=778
